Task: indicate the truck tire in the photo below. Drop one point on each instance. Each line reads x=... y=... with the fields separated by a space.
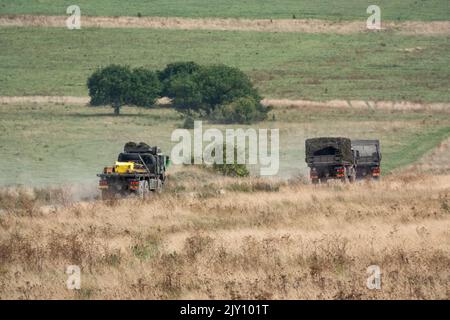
x=315 y=181
x=159 y=186
x=323 y=180
x=344 y=179
x=352 y=177
x=144 y=191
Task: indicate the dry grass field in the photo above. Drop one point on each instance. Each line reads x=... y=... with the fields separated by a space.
x=208 y=236
x=224 y=238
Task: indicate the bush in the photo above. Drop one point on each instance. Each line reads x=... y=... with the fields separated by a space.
x=188 y=122
x=243 y=110
x=233 y=169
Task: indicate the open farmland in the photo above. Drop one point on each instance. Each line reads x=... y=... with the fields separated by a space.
x=380 y=66
x=280 y=9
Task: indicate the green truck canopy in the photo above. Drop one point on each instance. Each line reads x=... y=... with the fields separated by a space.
x=341 y=147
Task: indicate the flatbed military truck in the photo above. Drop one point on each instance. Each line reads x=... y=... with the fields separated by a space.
x=330 y=158
x=139 y=170
x=368 y=157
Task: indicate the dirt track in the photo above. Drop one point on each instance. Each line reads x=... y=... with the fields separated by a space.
x=286 y=103
x=436 y=161
x=262 y=25
x=358 y=104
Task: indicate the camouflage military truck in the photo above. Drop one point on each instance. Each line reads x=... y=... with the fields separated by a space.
x=368 y=157
x=139 y=170
x=330 y=158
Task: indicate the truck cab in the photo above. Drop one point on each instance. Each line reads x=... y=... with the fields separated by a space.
x=368 y=158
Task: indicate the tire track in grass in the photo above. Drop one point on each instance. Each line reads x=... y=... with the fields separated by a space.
x=418 y=146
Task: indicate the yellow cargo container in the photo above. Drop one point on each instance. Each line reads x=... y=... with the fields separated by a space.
x=124 y=167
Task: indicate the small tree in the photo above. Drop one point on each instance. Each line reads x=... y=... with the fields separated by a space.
x=110 y=85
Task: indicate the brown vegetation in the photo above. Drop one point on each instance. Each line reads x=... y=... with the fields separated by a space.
x=214 y=237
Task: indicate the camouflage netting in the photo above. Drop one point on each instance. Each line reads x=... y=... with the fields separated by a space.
x=136 y=147
x=329 y=146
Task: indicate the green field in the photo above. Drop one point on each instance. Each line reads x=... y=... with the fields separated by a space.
x=382 y=66
x=279 y=9
x=57 y=144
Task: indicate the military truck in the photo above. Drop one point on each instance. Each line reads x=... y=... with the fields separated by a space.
x=330 y=158
x=139 y=170
x=368 y=157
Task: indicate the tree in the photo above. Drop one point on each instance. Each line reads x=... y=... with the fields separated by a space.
x=220 y=93
x=220 y=84
x=119 y=85
x=185 y=93
x=145 y=88
x=173 y=70
x=110 y=85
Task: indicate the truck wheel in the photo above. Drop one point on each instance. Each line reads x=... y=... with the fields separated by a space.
x=159 y=186
x=315 y=181
x=144 y=191
x=323 y=180
x=352 y=177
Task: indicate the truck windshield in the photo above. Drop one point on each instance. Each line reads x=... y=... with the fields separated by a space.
x=367 y=151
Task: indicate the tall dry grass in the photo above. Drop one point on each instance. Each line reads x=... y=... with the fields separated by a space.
x=221 y=238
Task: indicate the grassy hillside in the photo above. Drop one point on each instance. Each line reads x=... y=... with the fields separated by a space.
x=311 y=66
x=57 y=144
x=320 y=9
